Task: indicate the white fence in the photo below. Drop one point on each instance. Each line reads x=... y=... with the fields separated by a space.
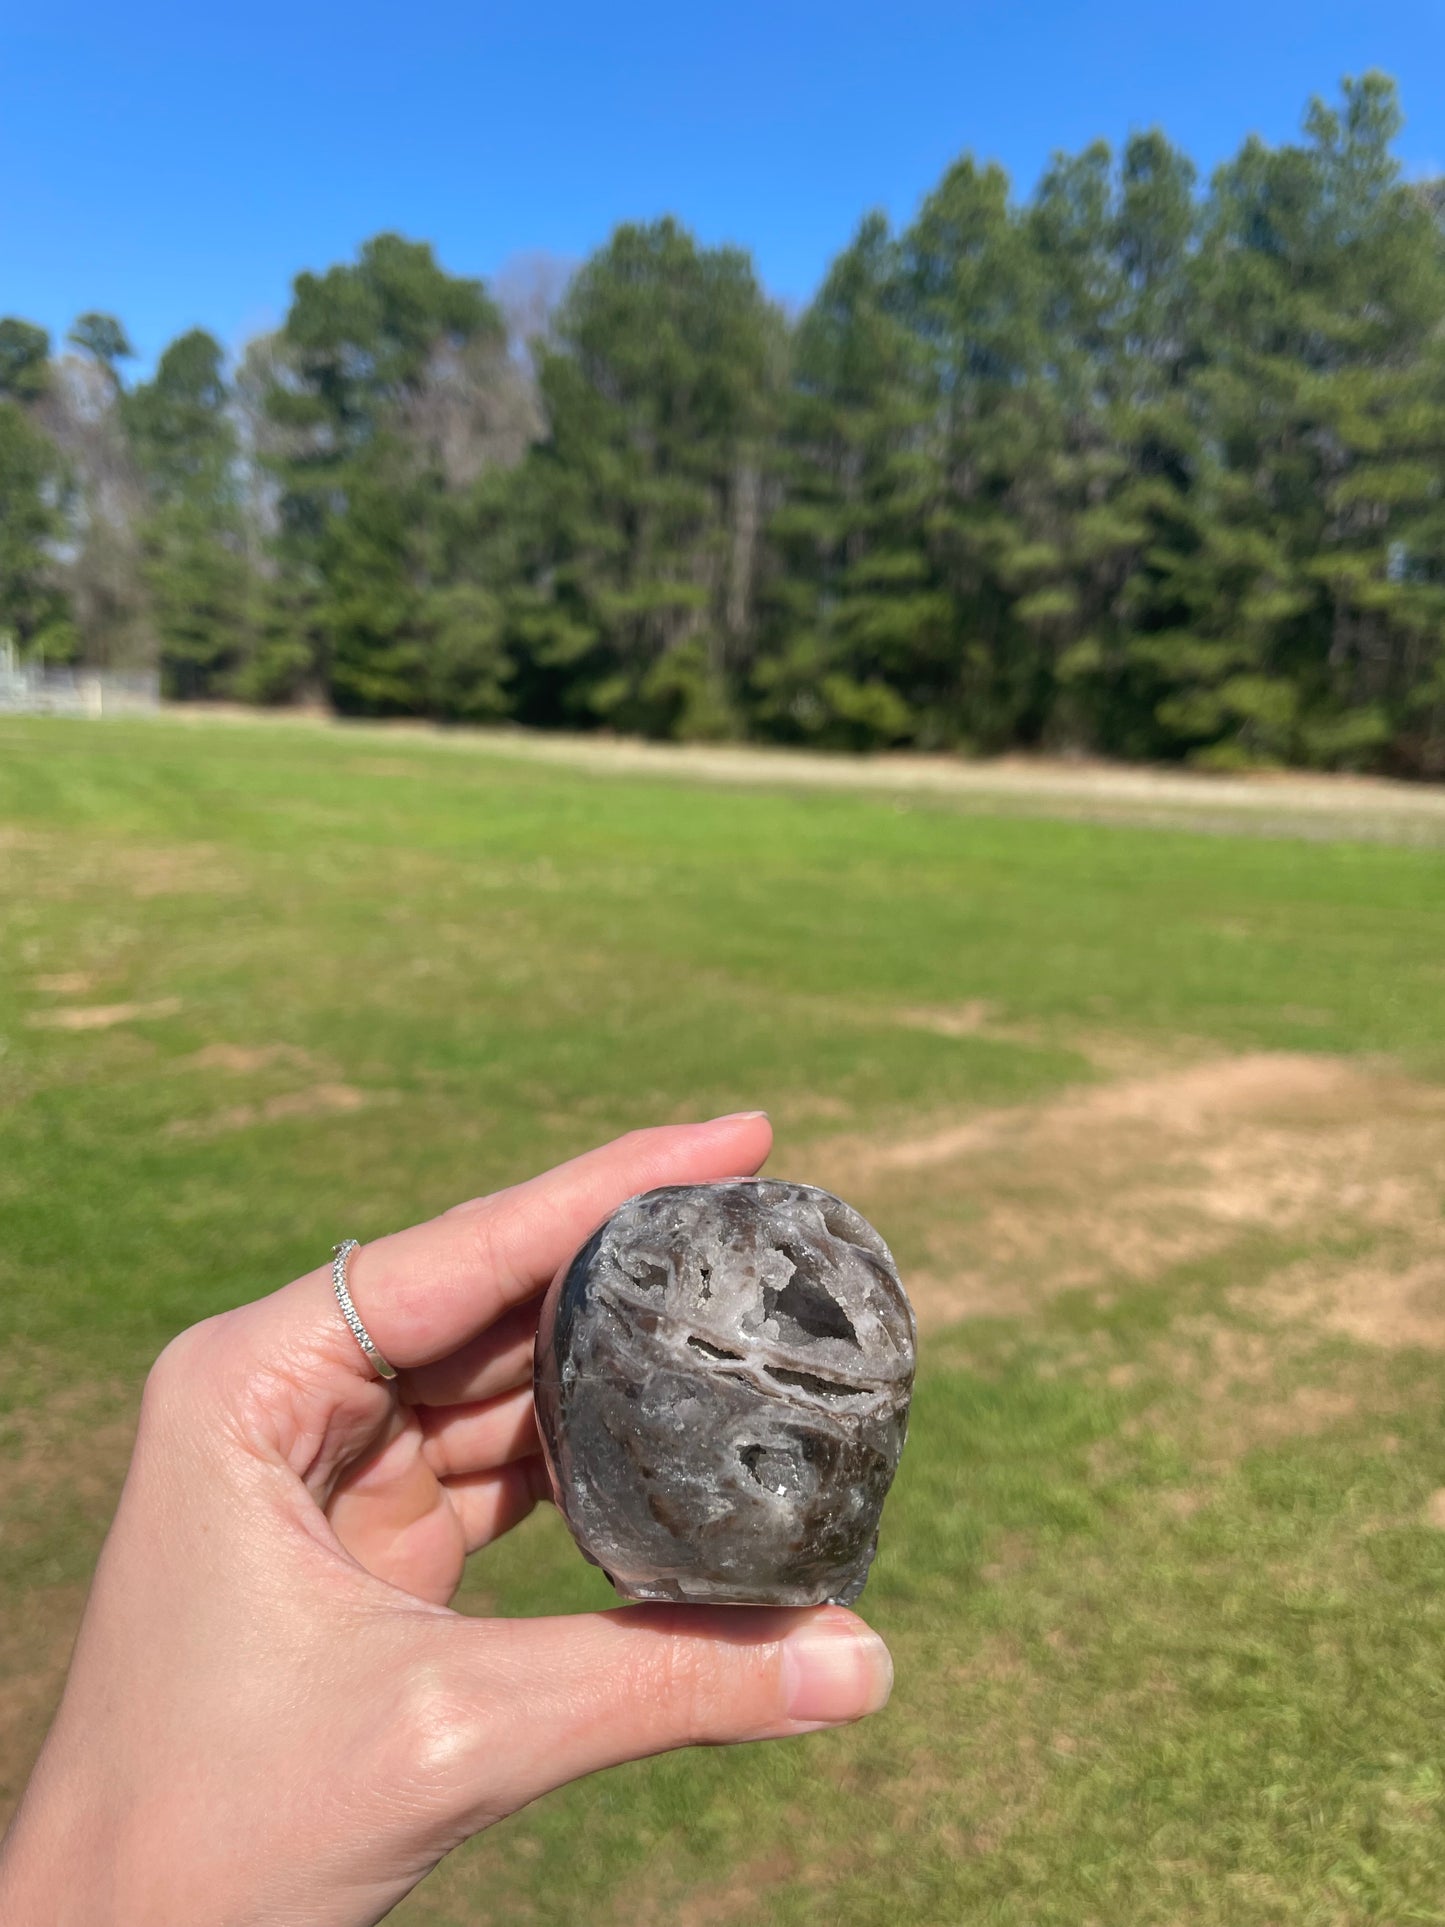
x=35 y=689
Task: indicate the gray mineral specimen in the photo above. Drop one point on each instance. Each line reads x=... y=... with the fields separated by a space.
x=723 y=1375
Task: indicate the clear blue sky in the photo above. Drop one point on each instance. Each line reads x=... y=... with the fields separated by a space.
x=176 y=165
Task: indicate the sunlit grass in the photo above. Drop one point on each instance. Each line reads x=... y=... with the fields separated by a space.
x=1157 y=1659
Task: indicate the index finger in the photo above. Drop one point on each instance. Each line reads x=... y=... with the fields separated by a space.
x=424 y=1292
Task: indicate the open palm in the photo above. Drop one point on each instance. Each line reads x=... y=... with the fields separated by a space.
x=270 y=1715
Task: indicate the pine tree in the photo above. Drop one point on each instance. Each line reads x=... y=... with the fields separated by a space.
x=1117 y=242
x=642 y=512
x=974 y=295
x=362 y=482
x=851 y=599
x=192 y=538
x=34 y=613
x=1309 y=597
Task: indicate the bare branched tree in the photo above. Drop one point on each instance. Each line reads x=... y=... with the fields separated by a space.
x=529 y=288
x=101 y=559
x=475 y=408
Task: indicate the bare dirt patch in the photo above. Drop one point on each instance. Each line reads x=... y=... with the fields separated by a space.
x=1118 y=1182
x=805 y=1109
x=317 y=1100
x=1183 y=1502
x=1236 y=1378
x=241 y=1060
x=1395 y=1305
x=175 y=870
x=740 y=1898
x=657 y=1897
x=60 y=867
x=101 y=1016
x=1180 y=1101
x=969 y=1019
x=67 y=983
x=387 y=767
x=1112 y=1055
x=1300 y=1414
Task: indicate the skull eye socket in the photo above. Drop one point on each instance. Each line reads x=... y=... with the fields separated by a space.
x=805 y=1306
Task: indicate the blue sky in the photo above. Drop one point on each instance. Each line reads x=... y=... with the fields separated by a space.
x=177 y=165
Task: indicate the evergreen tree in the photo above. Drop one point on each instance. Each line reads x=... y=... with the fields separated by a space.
x=361 y=491
x=1310 y=595
x=105 y=340
x=192 y=539
x=975 y=297
x=34 y=614
x=1129 y=468
x=1116 y=243
x=24 y=360
x=851 y=600
x=642 y=514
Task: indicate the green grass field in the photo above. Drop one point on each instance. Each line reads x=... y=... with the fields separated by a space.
x=1154 y=1120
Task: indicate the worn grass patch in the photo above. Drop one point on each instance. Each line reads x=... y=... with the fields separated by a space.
x=1156 y=1122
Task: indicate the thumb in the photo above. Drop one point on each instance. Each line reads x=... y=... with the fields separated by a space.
x=562 y=1697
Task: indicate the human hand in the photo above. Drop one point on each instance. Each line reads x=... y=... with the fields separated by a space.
x=271 y=1714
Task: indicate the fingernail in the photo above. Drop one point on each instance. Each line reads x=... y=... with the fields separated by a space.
x=833 y=1673
x=738 y=1117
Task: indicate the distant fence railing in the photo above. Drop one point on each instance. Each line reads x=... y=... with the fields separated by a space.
x=38 y=689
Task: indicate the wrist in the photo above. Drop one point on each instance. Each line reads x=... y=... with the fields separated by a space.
x=75 y=1855
x=73 y=1858
x=52 y=1871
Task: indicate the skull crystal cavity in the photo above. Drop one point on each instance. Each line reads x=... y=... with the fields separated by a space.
x=723 y=1376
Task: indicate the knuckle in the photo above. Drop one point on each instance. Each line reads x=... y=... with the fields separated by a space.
x=198 y=1387
x=482 y=1232
x=492 y=1225
x=705 y=1694
x=640 y=1144
x=433 y=1735
x=184 y=1364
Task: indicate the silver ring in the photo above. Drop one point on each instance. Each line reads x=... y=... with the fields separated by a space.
x=348 y=1310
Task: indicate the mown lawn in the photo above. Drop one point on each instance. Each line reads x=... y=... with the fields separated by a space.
x=1164 y=1571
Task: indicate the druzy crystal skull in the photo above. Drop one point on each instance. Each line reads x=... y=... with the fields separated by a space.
x=722 y=1385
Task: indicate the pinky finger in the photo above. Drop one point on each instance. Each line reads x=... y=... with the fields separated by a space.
x=491 y=1503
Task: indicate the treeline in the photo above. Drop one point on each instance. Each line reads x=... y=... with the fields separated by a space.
x=1135 y=467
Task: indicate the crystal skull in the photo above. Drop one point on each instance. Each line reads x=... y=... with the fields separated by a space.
x=723 y=1375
